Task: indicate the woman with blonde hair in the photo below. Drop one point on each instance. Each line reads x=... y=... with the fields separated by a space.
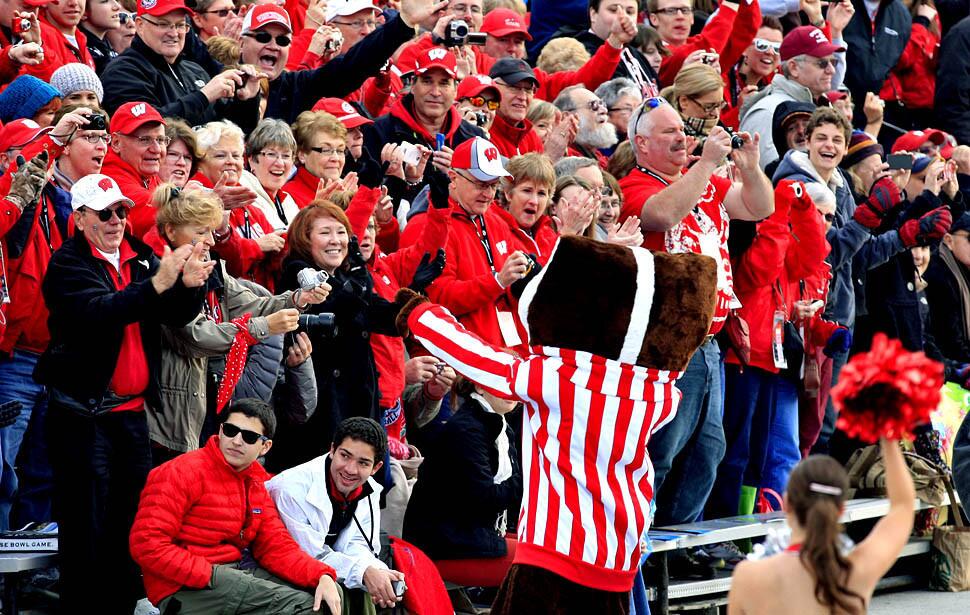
x=698 y=95
x=321 y=150
x=562 y=54
x=193 y=357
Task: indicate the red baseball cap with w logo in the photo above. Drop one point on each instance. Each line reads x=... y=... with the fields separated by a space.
x=437 y=57
x=133 y=115
x=481 y=159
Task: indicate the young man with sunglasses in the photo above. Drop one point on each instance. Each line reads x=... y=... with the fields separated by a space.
x=810 y=67
x=331 y=507
x=155 y=70
x=208 y=536
x=108 y=296
x=753 y=71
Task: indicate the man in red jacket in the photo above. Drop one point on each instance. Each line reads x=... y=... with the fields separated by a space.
x=138 y=143
x=206 y=522
x=673 y=20
x=63 y=42
x=511 y=132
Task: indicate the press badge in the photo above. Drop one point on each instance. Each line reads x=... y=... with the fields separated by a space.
x=778 y=340
x=506 y=325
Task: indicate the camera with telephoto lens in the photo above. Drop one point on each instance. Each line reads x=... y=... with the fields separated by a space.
x=309 y=278
x=95 y=122
x=737 y=141
x=321 y=325
x=456 y=33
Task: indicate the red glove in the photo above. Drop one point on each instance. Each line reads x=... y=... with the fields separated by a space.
x=884 y=196
x=928 y=229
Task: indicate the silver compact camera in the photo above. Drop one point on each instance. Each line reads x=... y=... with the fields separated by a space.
x=334 y=44
x=309 y=278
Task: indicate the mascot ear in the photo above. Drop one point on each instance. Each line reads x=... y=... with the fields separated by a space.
x=683 y=307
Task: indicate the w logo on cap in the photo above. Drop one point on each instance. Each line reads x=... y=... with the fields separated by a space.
x=148 y=4
x=491 y=154
x=106 y=184
x=140 y=108
x=436 y=54
x=818 y=35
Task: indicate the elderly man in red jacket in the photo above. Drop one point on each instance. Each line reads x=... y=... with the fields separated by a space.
x=206 y=522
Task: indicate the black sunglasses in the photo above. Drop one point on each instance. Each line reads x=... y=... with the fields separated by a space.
x=105 y=214
x=264 y=37
x=249 y=437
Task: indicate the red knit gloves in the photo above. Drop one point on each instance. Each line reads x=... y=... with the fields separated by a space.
x=884 y=196
x=928 y=229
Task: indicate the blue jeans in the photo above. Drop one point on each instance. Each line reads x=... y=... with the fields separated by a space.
x=17 y=383
x=686 y=451
x=761 y=431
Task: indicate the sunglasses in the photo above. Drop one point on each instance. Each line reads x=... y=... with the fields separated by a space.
x=828 y=217
x=481 y=101
x=248 y=436
x=763 y=45
x=649 y=104
x=265 y=37
x=822 y=63
x=124 y=17
x=105 y=214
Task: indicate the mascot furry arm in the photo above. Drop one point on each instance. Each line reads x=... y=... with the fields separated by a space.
x=610 y=330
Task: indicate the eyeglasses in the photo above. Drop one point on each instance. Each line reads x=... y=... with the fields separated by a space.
x=176 y=157
x=478 y=185
x=222 y=13
x=179 y=26
x=248 y=436
x=830 y=217
x=709 y=108
x=94 y=138
x=763 y=45
x=105 y=214
x=531 y=88
x=264 y=38
x=649 y=105
x=149 y=141
x=357 y=24
x=274 y=156
x=124 y=17
x=623 y=110
x=481 y=101
x=670 y=11
x=224 y=156
x=330 y=151
x=595 y=105
x=822 y=63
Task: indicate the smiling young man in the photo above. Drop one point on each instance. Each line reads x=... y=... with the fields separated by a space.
x=63 y=42
x=208 y=537
x=331 y=507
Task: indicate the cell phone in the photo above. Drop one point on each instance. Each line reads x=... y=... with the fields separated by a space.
x=399 y=588
x=900 y=161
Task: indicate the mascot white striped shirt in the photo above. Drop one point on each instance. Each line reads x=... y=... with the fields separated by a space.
x=586 y=474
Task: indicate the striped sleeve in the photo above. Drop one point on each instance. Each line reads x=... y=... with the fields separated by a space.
x=470 y=356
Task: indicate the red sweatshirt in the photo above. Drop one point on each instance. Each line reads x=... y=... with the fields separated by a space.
x=539 y=240
x=514 y=140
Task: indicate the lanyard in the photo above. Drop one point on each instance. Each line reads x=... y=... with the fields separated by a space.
x=247 y=227
x=647 y=171
x=482 y=232
x=279 y=209
x=45 y=223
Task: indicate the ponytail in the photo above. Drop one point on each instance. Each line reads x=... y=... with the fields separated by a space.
x=815 y=496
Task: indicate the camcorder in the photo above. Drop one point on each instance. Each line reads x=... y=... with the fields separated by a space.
x=458 y=34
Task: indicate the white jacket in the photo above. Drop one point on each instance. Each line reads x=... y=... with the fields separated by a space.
x=301 y=497
x=265 y=204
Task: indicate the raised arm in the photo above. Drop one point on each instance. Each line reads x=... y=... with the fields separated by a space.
x=753 y=198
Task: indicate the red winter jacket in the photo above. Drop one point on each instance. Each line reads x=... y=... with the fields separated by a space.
x=137 y=188
x=390 y=272
x=514 y=140
x=468 y=286
x=25 y=317
x=913 y=80
x=539 y=241
x=58 y=52
x=789 y=246
x=303 y=187
x=196 y=511
x=714 y=37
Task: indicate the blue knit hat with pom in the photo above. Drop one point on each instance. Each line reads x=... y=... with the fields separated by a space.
x=24 y=97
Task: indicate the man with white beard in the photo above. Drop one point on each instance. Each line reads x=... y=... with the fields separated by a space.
x=595 y=130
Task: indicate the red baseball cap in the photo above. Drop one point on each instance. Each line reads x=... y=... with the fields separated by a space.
x=473 y=85
x=19 y=133
x=157 y=8
x=480 y=158
x=133 y=115
x=37 y=2
x=408 y=57
x=265 y=14
x=912 y=140
x=437 y=57
x=502 y=22
x=835 y=95
x=807 y=40
x=343 y=111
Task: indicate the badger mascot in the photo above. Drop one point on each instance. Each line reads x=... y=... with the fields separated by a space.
x=610 y=330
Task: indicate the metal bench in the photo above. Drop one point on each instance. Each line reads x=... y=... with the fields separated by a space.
x=12 y=565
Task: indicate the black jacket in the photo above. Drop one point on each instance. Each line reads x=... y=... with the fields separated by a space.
x=88 y=319
x=294 y=92
x=873 y=52
x=342 y=362
x=140 y=74
x=952 y=99
x=462 y=462
x=946 y=313
x=100 y=49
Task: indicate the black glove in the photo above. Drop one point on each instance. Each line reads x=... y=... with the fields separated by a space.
x=428 y=271
x=9 y=411
x=519 y=285
x=438 y=184
x=369 y=172
x=359 y=282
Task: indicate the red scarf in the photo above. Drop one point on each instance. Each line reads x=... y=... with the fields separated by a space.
x=235 y=361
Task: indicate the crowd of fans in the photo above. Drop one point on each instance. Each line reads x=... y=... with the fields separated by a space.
x=209 y=207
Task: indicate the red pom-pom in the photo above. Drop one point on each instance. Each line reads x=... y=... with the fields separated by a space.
x=887 y=391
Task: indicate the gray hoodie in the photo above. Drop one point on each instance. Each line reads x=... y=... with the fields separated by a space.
x=758 y=110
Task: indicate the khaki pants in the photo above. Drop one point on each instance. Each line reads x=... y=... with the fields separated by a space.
x=241 y=592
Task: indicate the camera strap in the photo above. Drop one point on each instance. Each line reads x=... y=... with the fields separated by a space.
x=279 y=209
